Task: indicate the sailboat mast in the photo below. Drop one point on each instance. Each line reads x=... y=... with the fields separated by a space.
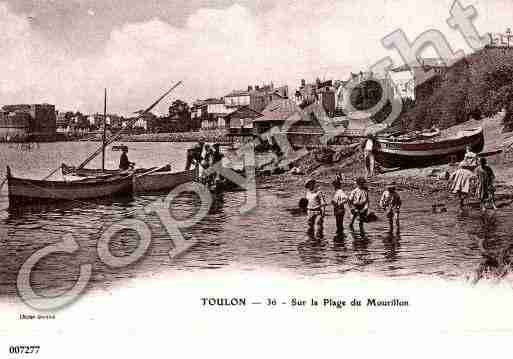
x=104 y=130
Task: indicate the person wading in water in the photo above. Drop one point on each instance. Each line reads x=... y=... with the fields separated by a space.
x=315 y=209
x=359 y=202
x=391 y=204
x=339 y=202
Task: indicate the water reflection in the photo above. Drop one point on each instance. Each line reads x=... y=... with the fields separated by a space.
x=313 y=252
x=270 y=236
x=391 y=245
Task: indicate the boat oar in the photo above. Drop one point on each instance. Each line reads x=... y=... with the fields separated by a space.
x=151 y=171
x=51 y=174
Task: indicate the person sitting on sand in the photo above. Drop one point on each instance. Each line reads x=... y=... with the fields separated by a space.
x=339 y=202
x=316 y=209
x=485 y=188
x=471 y=159
x=359 y=202
x=391 y=203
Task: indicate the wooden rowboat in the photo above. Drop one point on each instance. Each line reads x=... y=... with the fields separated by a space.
x=161 y=181
x=390 y=152
x=28 y=191
x=146 y=180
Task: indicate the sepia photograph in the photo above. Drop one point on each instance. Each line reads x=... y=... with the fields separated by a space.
x=237 y=178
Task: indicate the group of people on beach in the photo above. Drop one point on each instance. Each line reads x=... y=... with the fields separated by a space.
x=356 y=202
x=474 y=176
x=201 y=157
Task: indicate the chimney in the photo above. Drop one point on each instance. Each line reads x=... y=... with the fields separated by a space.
x=250 y=88
x=257 y=88
x=303 y=82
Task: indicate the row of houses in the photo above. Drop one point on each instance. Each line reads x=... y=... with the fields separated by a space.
x=35 y=121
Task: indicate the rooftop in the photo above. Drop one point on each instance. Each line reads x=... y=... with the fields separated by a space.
x=279 y=110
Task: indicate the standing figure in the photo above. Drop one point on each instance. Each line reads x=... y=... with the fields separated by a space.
x=359 y=202
x=206 y=161
x=485 y=188
x=194 y=158
x=339 y=202
x=124 y=163
x=368 y=154
x=217 y=160
x=316 y=209
x=391 y=204
x=462 y=181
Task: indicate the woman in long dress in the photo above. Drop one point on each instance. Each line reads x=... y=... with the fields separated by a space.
x=462 y=182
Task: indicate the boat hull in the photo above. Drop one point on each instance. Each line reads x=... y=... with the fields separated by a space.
x=26 y=191
x=424 y=153
x=161 y=181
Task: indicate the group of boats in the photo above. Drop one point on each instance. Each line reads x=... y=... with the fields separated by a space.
x=401 y=150
x=89 y=184
x=81 y=183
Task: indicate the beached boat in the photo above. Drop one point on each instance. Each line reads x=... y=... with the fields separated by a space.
x=391 y=152
x=29 y=191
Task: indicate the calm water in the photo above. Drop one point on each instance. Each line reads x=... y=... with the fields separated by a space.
x=271 y=237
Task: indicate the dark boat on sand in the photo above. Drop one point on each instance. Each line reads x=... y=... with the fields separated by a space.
x=391 y=152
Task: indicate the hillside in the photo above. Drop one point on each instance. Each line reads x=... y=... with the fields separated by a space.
x=477 y=86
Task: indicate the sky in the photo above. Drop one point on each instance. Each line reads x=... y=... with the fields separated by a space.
x=66 y=52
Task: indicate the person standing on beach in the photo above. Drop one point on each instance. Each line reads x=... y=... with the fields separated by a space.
x=359 y=202
x=315 y=209
x=339 y=202
x=462 y=181
x=391 y=203
x=368 y=154
x=485 y=188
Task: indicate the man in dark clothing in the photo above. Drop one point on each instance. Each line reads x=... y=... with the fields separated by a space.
x=217 y=156
x=124 y=163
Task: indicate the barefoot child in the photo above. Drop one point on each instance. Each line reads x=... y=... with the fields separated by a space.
x=391 y=204
x=339 y=201
x=359 y=202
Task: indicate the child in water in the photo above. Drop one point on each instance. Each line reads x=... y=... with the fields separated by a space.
x=359 y=201
x=315 y=209
x=391 y=204
x=339 y=201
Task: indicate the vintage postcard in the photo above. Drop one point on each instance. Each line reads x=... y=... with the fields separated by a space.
x=259 y=179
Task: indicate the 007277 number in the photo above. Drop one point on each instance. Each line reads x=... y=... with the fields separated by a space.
x=24 y=349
